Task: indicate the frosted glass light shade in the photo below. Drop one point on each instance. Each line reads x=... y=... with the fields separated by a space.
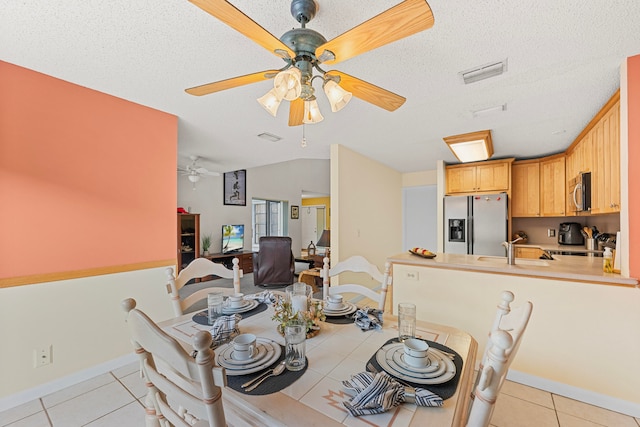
x=287 y=84
x=312 y=112
x=194 y=178
x=270 y=101
x=471 y=147
x=338 y=97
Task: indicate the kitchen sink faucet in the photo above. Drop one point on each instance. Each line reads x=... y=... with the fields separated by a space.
x=511 y=255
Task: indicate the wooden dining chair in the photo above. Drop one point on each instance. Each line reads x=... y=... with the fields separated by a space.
x=504 y=340
x=198 y=269
x=357 y=264
x=181 y=390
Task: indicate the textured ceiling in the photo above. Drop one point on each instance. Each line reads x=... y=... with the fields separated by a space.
x=563 y=64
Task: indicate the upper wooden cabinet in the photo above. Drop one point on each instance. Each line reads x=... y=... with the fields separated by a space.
x=605 y=176
x=525 y=188
x=552 y=186
x=597 y=150
x=488 y=176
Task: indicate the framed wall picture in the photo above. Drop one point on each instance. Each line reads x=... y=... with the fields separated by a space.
x=295 y=212
x=235 y=188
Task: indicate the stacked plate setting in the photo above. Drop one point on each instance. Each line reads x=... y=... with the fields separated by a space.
x=244 y=307
x=344 y=309
x=438 y=369
x=266 y=352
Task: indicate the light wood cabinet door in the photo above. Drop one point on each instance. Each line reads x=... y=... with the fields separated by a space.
x=605 y=179
x=533 y=253
x=552 y=187
x=493 y=177
x=525 y=189
x=485 y=177
x=461 y=179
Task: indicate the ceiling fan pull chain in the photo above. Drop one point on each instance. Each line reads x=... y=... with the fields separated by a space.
x=303 y=144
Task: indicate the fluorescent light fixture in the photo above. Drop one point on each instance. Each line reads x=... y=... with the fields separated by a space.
x=490 y=110
x=471 y=147
x=269 y=137
x=482 y=72
x=338 y=97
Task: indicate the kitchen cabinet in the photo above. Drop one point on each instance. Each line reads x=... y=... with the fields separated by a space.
x=490 y=176
x=525 y=188
x=523 y=252
x=605 y=177
x=552 y=186
x=188 y=239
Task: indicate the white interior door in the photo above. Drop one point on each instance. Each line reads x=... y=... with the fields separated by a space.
x=308 y=215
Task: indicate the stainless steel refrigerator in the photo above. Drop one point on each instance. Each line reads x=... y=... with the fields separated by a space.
x=476 y=224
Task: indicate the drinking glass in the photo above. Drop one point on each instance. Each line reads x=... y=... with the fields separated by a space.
x=214 y=306
x=406 y=321
x=295 y=334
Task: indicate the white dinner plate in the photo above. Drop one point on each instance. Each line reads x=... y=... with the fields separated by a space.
x=259 y=353
x=249 y=305
x=273 y=352
x=384 y=357
x=348 y=308
x=434 y=370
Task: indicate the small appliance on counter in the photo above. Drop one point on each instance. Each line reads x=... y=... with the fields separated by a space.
x=570 y=233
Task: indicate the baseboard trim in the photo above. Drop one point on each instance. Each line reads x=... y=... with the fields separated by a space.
x=64 y=382
x=590 y=397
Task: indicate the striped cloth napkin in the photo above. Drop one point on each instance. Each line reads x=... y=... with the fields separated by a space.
x=380 y=392
x=266 y=297
x=368 y=318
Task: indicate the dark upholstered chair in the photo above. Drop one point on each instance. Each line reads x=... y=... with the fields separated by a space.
x=274 y=264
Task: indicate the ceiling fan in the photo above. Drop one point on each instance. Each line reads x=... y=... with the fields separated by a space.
x=194 y=172
x=303 y=50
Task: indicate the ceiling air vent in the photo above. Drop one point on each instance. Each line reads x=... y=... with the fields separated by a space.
x=483 y=72
x=269 y=137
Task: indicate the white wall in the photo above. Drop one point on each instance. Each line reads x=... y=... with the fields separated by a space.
x=281 y=182
x=366 y=208
x=81 y=318
x=420 y=217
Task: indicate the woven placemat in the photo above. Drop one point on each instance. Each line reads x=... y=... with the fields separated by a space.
x=272 y=385
x=444 y=390
x=202 y=317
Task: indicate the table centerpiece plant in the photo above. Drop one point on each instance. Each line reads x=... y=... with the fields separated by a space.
x=284 y=314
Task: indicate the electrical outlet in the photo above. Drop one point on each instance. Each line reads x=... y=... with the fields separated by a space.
x=411 y=275
x=42 y=356
x=551 y=232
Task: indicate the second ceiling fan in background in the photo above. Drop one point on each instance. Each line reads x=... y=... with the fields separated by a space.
x=304 y=50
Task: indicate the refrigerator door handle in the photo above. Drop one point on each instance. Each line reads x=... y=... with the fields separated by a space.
x=470 y=235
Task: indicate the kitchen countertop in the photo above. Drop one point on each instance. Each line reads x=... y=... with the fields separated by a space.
x=578 y=249
x=562 y=267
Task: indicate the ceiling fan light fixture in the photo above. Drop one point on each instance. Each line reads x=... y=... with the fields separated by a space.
x=194 y=177
x=270 y=101
x=288 y=83
x=471 y=147
x=338 y=97
x=312 y=111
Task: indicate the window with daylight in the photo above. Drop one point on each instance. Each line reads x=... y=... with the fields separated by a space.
x=269 y=218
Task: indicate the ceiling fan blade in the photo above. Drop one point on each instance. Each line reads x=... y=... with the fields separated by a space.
x=296 y=112
x=369 y=92
x=231 y=83
x=402 y=20
x=227 y=13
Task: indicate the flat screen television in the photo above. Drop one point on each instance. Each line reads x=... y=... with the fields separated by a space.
x=232 y=238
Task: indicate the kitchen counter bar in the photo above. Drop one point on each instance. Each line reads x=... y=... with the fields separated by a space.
x=563 y=267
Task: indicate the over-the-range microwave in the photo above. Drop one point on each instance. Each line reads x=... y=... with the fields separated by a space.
x=580 y=192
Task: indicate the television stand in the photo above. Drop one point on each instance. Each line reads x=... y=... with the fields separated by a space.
x=245 y=260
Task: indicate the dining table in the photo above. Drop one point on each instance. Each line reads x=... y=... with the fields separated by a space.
x=338 y=351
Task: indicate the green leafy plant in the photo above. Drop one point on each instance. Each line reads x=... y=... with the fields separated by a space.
x=206 y=242
x=283 y=314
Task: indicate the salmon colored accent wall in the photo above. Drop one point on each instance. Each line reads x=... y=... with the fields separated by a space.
x=86 y=179
x=633 y=88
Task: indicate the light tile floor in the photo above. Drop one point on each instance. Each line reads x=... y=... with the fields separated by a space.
x=114 y=399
